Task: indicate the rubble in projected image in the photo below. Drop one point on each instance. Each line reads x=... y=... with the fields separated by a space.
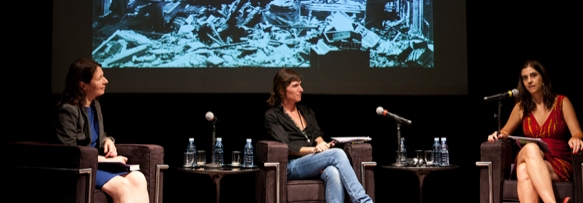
x=261 y=33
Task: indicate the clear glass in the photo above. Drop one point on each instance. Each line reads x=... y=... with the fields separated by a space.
x=420 y=157
x=188 y=159
x=200 y=157
x=236 y=158
x=429 y=158
x=401 y=157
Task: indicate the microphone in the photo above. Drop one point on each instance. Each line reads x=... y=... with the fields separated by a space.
x=383 y=112
x=210 y=117
x=510 y=93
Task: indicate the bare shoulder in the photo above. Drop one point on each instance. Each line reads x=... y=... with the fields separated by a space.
x=566 y=103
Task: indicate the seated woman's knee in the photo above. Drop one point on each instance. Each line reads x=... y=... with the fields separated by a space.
x=531 y=150
x=136 y=178
x=117 y=186
x=337 y=152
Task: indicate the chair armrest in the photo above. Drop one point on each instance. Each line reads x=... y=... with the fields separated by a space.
x=151 y=160
x=272 y=159
x=69 y=169
x=360 y=156
x=499 y=156
x=578 y=176
x=271 y=151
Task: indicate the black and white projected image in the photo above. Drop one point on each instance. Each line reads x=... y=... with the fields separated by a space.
x=261 y=33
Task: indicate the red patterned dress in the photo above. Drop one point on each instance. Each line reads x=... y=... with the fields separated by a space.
x=555 y=133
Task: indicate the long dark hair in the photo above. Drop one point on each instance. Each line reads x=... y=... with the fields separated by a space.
x=525 y=98
x=280 y=81
x=81 y=70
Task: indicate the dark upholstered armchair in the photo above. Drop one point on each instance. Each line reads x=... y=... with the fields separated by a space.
x=273 y=186
x=496 y=185
x=39 y=172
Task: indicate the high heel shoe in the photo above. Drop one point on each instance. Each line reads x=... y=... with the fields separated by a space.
x=568 y=200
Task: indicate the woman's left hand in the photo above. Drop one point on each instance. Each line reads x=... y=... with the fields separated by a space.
x=576 y=144
x=109 y=148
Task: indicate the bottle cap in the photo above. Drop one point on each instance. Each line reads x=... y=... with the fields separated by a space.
x=248 y=140
x=443 y=139
x=191 y=139
x=219 y=139
x=436 y=138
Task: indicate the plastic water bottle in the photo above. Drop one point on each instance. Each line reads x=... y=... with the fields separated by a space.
x=248 y=154
x=219 y=152
x=444 y=153
x=436 y=151
x=403 y=152
x=190 y=155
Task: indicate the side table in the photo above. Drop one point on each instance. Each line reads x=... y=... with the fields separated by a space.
x=217 y=173
x=421 y=172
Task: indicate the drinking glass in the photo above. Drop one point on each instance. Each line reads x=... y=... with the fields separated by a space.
x=401 y=157
x=200 y=157
x=429 y=158
x=420 y=157
x=236 y=158
x=188 y=159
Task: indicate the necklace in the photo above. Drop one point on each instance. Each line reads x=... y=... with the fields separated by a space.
x=301 y=122
x=301 y=125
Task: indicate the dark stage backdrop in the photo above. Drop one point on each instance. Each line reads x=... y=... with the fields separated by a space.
x=500 y=39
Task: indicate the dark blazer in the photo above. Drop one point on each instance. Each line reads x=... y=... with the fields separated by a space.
x=71 y=125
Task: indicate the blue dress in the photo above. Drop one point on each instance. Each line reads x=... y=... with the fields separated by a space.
x=102 y=177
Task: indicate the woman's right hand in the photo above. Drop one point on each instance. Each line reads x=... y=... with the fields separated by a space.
x=495 y=136
x=117 y=158
x=322 y=146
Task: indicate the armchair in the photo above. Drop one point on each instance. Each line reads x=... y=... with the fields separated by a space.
x=41 y=172
x=272 y=185
x=496 y=185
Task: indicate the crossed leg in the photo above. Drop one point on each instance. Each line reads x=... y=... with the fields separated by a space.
x=535 y=175
x=130 y=188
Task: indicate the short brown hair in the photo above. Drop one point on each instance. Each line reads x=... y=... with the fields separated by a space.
x=280 y=81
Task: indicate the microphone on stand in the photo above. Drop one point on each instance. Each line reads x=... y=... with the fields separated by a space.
x=510 y=93
x=210 y=117
x=383 y=112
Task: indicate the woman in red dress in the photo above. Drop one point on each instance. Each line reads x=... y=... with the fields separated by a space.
x=547 y=115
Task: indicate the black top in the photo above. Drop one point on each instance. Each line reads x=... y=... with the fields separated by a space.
x=281 y=127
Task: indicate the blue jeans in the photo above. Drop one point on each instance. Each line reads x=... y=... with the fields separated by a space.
x=337 y=173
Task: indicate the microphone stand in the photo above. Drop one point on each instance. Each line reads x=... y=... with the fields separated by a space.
x=398 y=162
x=212 y=164
x=499 y=113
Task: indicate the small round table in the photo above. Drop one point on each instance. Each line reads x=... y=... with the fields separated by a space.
x=218 y=173
x=421 y=172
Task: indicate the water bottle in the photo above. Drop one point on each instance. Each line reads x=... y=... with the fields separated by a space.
x=190 y=155
x=248 y=154
x=219 y=152
x=444 y=153
x=403 y=152
x=436 y=151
